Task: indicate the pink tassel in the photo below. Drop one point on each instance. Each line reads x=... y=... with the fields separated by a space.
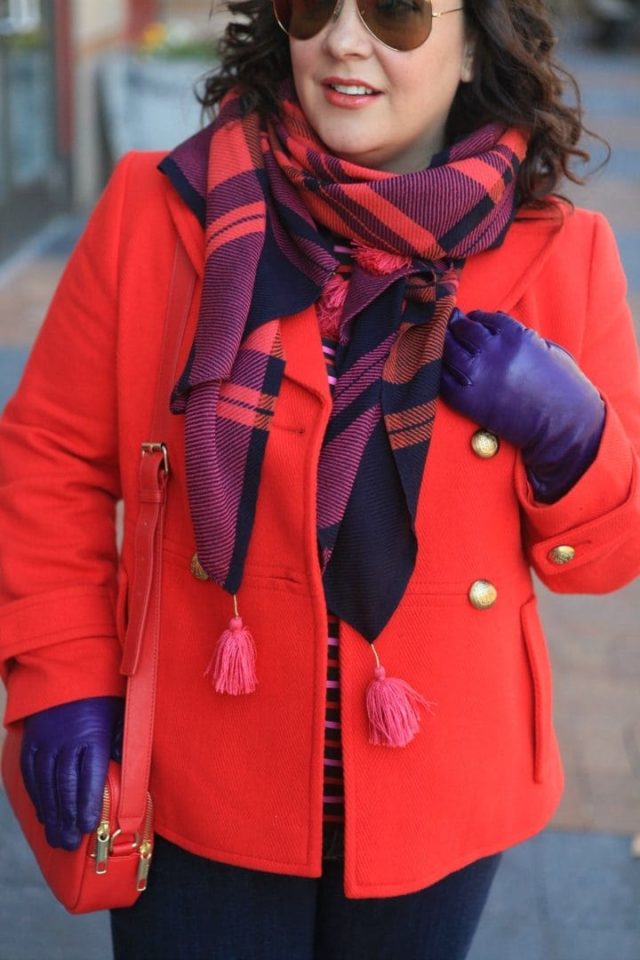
x=394 y=719
x=379 y=262
x=331 y=305
x=232 y=667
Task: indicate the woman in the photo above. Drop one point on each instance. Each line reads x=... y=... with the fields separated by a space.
x=380 y=429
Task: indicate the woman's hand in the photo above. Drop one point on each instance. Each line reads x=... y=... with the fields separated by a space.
x=64 y=760
x=526 y=390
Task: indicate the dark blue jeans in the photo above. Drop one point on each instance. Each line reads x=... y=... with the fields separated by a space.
x=198 y=909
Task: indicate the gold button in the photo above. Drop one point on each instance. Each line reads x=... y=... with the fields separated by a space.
x=562 y=554
x=485 y=444
x=482 y=594
x=197 y=569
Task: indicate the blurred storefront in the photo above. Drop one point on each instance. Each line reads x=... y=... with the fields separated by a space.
x=35 y=131
x=51 y=155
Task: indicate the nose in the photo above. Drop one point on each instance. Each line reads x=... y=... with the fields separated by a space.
x=346 y=34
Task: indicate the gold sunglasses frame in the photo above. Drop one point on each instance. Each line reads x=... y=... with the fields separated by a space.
x=337 y=10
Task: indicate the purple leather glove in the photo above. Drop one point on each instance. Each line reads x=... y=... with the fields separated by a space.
x=526 y=390
x=64 y=760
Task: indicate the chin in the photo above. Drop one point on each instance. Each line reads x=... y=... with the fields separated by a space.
x=363 y=156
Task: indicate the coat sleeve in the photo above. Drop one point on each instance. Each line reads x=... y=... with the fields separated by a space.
x=59 y=486
x=600 y=516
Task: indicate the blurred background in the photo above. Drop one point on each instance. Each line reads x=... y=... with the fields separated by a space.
x=77 y=78
x=82 y=82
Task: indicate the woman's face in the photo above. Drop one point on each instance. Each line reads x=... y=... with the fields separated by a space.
x=400 y=124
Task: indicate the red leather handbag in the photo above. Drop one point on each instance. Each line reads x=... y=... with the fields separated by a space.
x=110 y=867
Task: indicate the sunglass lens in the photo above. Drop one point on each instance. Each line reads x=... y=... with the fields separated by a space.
x=401 y=24
x=303 y=19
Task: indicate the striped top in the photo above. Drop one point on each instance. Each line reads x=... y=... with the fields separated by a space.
x=333 y=791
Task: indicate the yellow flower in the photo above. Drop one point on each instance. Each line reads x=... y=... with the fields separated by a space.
x=153 y=37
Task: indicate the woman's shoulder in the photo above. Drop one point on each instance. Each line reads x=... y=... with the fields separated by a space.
x=590 y=224
x=562 y=218
x=556 y=245
x=136 y=203
x=136 y=173
x=563 y=232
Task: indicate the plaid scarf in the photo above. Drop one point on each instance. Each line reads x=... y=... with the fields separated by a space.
x=262 y=193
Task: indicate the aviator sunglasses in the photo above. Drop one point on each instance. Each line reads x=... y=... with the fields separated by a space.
x=398 y=24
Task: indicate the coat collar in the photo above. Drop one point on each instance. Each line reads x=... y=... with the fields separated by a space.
x=187 y=226
x=497 y=279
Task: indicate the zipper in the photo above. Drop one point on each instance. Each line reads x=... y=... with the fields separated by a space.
x=104 y=839
x=145 y=849
x=103 y=833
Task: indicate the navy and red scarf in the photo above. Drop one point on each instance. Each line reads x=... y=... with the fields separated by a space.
x=267 y=194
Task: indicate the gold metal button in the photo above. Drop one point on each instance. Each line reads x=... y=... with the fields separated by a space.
x=482 y=594
x=485 y=444
x=197 y=569
x=562 y=554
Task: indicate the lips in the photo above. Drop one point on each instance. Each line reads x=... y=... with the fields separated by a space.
x=350 y=87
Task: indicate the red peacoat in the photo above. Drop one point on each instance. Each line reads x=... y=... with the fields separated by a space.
x=239 y=779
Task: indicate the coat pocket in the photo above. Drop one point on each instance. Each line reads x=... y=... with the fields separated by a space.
x=540 y=669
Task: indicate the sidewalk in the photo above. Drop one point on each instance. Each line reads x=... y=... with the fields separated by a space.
x=572 y=893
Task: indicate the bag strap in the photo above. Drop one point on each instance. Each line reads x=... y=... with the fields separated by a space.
x=140 y=654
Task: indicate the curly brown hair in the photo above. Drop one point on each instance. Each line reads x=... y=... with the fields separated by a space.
x=516 y=81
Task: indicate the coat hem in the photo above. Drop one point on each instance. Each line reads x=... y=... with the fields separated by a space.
x=360 y=890
x=239 y=860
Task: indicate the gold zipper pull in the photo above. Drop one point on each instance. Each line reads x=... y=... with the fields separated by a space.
x=103 y=840
x=103 y=837
x=146 y=852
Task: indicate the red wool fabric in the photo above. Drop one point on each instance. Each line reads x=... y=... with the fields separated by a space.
x=240 y=779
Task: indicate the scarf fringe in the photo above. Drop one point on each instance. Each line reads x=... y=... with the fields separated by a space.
x=392 y=704
x=232 y=668
x=392 y=708
x=378 y=262
x=330 y=306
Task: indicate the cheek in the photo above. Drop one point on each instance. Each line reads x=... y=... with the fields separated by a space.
x=437 y=66
x=295 y=63
x=431 y=85
x=301 y=62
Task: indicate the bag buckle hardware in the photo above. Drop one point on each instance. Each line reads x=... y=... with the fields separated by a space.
x=128 y=847
x=158 y=448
